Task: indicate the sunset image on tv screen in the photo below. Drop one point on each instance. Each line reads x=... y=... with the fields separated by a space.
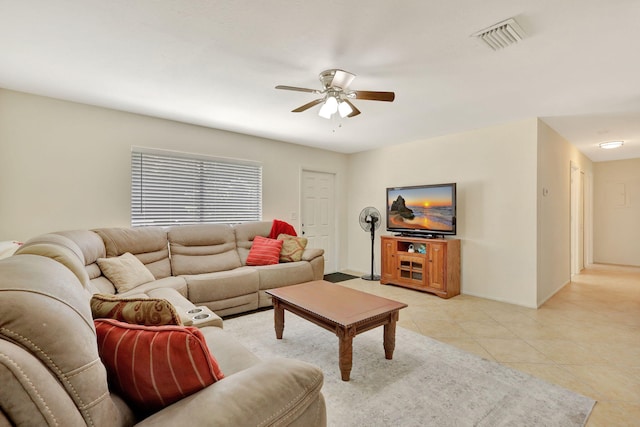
x=426 y=208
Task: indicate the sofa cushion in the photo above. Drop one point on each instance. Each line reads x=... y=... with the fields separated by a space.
x=310 y=254
x=63 y=252
x=149 y=244
x=264 y=251
x=90 y=244
x=205 y=248
x=92 y=248
x=174 y=296
x=45 y=310
x=26 y=386
x=102 y=285
x=57 y=239
x=177 y=284
x=125 y=271
x=275 y=392
x=292 y=248
x=235 y=305
x=222 y=285
x=139 y=311
x=290 y=273
x=154 y=366
x=231 y=355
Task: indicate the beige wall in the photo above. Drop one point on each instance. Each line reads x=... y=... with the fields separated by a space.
x=65 y=165
x=495 y=170
x=555 y=155
x=617 y=212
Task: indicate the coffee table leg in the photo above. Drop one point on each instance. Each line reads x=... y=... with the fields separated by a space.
x=278 y=317
x=345 y=350
x=390 y=336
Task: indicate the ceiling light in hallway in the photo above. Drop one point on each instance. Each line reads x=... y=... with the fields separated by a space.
x=611 y=144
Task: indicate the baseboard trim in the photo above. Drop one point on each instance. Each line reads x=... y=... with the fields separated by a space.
x=498 y=300
x=540 y=303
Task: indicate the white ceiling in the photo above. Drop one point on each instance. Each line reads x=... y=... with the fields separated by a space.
x=216 y=63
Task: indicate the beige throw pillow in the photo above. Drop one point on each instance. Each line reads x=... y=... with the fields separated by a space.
x=125 y=272
x=292 y=247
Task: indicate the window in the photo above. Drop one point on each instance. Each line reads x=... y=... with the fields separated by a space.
x=173 y=188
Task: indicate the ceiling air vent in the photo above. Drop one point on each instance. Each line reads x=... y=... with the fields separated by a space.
x=502 y=34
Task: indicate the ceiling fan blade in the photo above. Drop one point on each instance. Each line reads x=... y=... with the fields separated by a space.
x=298 y=89
x=355 y=111
x=374 y=96
x=342 y=79
x=308 y=105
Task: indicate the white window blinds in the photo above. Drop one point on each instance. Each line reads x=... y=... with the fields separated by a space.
x=170 y=189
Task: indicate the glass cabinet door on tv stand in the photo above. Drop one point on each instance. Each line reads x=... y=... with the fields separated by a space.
x=429 y=265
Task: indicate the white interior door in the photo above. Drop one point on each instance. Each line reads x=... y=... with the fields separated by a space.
x=580 y=221
x=318 y=214
x=577 y=219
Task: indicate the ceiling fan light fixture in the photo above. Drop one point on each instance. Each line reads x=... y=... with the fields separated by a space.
x=344 y=109
x=336 y=97
x=329 y=107
x=611 y=144
x=324 y=112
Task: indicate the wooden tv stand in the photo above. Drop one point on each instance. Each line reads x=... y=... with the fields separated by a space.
x=436 y=271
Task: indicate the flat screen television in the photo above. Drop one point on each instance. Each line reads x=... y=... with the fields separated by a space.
x=422 y=210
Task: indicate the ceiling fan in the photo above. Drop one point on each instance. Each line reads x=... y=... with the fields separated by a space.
x=336 y=95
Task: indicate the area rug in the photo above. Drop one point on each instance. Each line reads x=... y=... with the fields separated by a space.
x=338 y=277
x=427 y=383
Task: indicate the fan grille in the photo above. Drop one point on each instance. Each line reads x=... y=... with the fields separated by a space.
x=365 y=218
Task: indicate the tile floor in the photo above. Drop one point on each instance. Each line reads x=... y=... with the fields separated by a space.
x=586 y=338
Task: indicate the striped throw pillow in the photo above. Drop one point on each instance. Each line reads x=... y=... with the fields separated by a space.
x=264 y=251
x=155 y=366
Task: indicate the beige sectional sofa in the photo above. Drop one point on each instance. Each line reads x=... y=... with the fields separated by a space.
x=49 y=366
x=51 y=375
x=194 y=265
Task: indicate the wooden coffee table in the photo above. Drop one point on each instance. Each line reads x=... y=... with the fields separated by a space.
x=339 y=309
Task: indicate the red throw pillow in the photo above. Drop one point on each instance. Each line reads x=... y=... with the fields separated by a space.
x=154 y=366
x=264 y=251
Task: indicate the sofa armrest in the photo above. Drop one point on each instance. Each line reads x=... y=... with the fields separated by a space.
x=312 y=253
x=272 y=392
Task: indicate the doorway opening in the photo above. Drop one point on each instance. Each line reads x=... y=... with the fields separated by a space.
x=580 y=219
